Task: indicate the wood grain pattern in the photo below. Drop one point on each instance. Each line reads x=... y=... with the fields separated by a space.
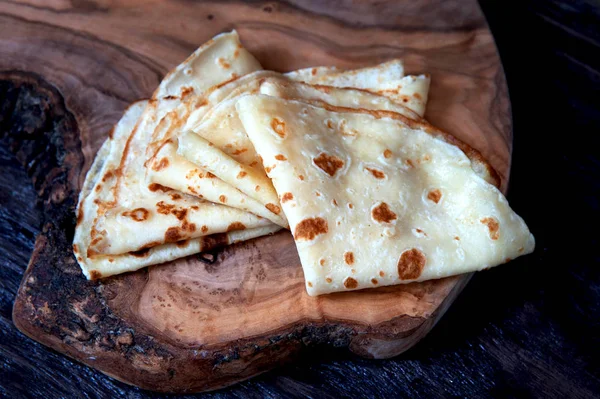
x=191 y=326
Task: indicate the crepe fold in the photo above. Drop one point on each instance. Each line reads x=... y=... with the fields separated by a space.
x=374 y=198
x=217 y=142
x=126 y=221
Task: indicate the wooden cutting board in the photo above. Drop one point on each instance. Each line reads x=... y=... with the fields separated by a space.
x=68 y=70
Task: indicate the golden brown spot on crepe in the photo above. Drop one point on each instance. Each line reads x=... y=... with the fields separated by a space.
x=236 y=226
x=457 y=238
x=253 y=164
x=257 y=188
x=350 y=283
x=287 y=197
x=280 y=157
x=201 y=103
x=382 y=213
x=387 y=154
x=426 y=157
x=417 y=96
x=411 y=264
x=224 y=64
x=175 y=196
x=204 y=228
x=186 y=90
x=318 y=194
x=521 y=249
x=210 y=175
x=195 y=207
x=350 y=206
x=322 y=262
x=108 y=175
x=309 y=284
x=434 y=195
x=79 y=215
x=240 y=151
x=376 y=173
x=309 y=228
x=95 y=274
x=141 y=253
x=313 y=71
x=223 y=198
x=330 y=164
x=158 y=187
x=179 y=213
x=241 y=174
x=75 y=248
x=111 y=260
x=410 y=163
x=193 y=191
x=173 y=234
x=164 y=208
x=236 y=53
x=334 y=202
x=98 y=187
x=163 y=163
x=278 y=127
x=170 y=97
x=300 y=177
x=273 y=208
x=138 y=214
x=328 y=280
x=374 y=281
x=349 y=258
x=329 y=123
x=210 y=144
x=493 y=227
x=182 y=243
x=381 y=273
x=404 y=99
x=268 y=169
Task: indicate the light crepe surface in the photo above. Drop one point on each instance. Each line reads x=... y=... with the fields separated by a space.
x=126 y=222
x=383 y=200
x=92 y=199
x=221 y=146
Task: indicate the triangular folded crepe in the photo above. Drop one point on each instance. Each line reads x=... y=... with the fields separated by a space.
x=386 y=79
x=198 y=179
x=154 y=210
x=385 y=200
x=220 y=145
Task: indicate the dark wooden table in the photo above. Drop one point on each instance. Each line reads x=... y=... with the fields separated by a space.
x=528 y=329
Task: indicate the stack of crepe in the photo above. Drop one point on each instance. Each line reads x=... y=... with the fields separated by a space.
x=225 y=152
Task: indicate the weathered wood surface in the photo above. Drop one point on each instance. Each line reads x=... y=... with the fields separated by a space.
x=44 y=170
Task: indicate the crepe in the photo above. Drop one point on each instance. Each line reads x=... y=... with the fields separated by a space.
x=385 y=200
x=220 y=145
x=386 y=79
x=194 y=176
x=100 y=195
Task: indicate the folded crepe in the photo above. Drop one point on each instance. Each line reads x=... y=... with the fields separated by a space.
x=218 y=143
x=385 y=79
x=123 y=213
x=164 y=212
x=199 y=179
x=374 y=198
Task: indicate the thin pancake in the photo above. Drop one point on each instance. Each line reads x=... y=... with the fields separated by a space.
x=127 y=203
x=220 y=145
x=386 y=200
